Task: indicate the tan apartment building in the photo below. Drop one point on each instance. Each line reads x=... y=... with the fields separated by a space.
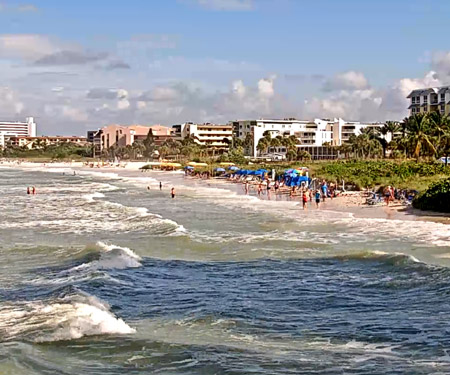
x=429 y=100
x=121 y=135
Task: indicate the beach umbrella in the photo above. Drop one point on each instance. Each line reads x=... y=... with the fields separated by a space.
x=263 y=170
x=233 y=168
x=188 y=167
x=220 y=170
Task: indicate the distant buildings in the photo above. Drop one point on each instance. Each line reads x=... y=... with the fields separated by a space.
x=41 y=142
x=430 y=99
x=121 y=136
x=10 y=129
x=209 y=135
x=313 y=136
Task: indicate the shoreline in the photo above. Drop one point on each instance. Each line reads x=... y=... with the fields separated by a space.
x=349 y=202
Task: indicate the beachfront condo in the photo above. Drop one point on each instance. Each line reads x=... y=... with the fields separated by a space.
x=430 y=99
x=10 y=129
x=121 y=135
x=313 y=136
x=210 y=135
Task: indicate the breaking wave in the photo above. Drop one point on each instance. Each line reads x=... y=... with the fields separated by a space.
x=66 y=317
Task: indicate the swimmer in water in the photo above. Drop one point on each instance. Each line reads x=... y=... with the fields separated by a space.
x=172 y=192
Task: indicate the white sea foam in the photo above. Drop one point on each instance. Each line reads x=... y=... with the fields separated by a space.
x=66 y=318
x=91 y=197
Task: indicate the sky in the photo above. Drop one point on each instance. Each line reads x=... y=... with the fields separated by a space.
x=80 y=65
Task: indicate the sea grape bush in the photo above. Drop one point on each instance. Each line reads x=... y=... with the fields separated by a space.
x=370 y=173
x=436 y=197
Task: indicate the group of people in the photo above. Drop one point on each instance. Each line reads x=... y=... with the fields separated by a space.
x=31 y=190
x=317 y=195
x=172 y=190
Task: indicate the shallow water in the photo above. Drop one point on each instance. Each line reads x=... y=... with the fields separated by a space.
x=99 y=275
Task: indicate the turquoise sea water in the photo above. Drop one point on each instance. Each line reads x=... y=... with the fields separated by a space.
x=99 y=275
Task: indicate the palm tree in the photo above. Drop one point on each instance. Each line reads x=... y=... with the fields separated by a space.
x=262 y=145
x=418 y=134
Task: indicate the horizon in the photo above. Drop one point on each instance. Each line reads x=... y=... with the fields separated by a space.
x=78 y=67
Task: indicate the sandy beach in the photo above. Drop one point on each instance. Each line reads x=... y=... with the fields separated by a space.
x=350 y=202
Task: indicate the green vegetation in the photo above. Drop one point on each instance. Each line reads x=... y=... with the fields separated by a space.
x=372 y=173
x=418 y=136
x=51 y=152
x=436 y=197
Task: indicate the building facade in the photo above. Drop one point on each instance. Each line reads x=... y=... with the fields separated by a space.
x=10 y=129
x=313 y=136
x=209 y=135
x=121 y=136
x=431 y=99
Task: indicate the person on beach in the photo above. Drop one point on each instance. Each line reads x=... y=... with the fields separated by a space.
x=310 y=195
x=317 y=196
x=304 y=199
x=324 y=188
x=172 y=192
x=387 y=195
x=268 y=188
x=260 y=188
x=160 y=185
x=246 y=187
x=28 y=190
x=148 y=187
x=332 y=189
x=276 y=186
x=33 y=190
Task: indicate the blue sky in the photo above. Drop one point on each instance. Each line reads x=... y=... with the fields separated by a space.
x=77 y=65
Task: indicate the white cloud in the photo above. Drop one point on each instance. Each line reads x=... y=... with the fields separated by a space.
x=350 y=80
x=440 y=62
x=25 y=46
x=227 y=5
x=265 y=86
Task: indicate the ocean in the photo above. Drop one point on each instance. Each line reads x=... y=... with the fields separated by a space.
x=103 y=273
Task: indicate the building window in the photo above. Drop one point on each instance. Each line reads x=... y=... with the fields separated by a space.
x=442 y=97
x=425 y=99
x=413 y=100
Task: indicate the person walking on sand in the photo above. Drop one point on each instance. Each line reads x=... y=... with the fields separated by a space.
x=160 y=185
x=172 y=192
x=28 y=190
x=33 y=190
x=317 y=196
x=304 y=199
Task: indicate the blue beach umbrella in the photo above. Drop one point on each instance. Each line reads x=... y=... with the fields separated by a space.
x=220 y=170
x=188 y=167
x=233 y=168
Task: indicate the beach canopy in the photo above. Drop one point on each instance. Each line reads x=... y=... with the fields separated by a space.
x=194 y=164
x=219 y=170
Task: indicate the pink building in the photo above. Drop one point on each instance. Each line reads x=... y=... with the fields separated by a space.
x=120 y=135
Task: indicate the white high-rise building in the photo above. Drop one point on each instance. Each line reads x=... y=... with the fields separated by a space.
x=17 y=129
